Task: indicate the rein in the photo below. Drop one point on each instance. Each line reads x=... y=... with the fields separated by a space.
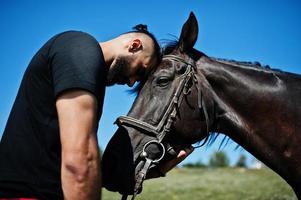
x=166 y=121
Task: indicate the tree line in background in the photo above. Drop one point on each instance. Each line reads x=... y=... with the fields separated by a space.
x=219 y=159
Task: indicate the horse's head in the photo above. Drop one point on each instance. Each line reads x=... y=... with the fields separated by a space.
x=167 y=115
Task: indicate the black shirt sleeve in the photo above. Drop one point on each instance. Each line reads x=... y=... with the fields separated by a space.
x=77 y=62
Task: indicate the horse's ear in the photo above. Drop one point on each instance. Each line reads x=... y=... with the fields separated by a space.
x=189 y=34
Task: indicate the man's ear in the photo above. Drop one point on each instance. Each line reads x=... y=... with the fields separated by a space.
x=135 y=46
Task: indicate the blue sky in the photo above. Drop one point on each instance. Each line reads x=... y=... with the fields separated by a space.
x=268 y=31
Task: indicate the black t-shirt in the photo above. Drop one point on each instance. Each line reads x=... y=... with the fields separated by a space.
x=30 y=149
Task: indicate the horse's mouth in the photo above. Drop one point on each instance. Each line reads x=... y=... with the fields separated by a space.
x=125 y=184
x=117 y=179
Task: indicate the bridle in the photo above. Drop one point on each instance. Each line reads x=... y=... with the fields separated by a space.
x=163 y=128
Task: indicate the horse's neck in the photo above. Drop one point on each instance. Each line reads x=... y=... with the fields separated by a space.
x=259 y=111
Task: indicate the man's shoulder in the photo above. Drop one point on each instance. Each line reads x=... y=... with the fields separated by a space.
x=74 y=35
x=75 y=43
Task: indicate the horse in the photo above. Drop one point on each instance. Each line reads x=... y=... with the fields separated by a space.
x=191 y=97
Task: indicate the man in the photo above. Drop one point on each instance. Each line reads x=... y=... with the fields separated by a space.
x=49 y=148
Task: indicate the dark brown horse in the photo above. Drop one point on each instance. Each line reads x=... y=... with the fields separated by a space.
x=190 y=96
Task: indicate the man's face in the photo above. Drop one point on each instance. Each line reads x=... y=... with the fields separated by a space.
x=118 y=72
x=128 y=70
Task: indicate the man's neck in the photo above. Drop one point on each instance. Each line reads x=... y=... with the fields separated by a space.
x=108 y=51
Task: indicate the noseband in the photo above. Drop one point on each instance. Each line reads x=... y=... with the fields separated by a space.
x=163 y=127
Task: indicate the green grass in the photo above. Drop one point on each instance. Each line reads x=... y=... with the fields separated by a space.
x=214 y=184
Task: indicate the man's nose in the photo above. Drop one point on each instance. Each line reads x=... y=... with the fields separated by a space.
x=131 y=82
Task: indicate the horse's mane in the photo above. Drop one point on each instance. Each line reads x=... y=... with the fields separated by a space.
x=254 y=64
x=169 y=47
x=244 y=63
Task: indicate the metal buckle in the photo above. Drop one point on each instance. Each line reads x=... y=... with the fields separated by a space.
x=144 y=153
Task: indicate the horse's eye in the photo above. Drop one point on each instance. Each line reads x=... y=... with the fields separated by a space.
x=163 y=81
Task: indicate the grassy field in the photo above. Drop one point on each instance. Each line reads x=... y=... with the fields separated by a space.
x=217 y=184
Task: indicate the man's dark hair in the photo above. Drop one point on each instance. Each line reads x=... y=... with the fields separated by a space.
x=142 y=28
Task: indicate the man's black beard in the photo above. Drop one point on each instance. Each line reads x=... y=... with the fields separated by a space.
x=118 y=72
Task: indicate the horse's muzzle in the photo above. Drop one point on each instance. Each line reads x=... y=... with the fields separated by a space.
x=118 y=170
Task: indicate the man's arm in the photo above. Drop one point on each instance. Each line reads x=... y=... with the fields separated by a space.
x=80 y=169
